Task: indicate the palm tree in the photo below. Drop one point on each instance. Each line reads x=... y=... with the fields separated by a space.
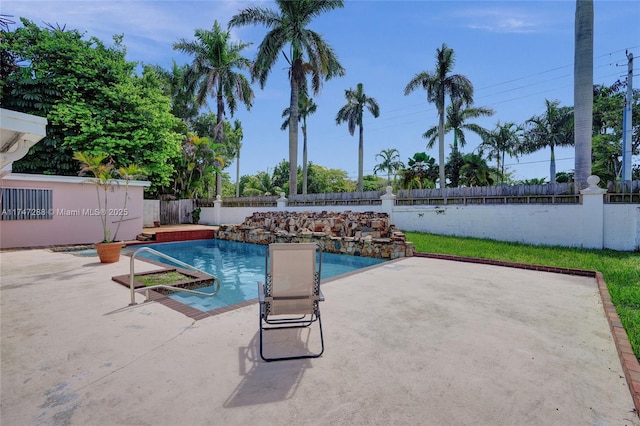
x=214 y=72
x=421 y=172
x=390 y=163
x=352 y=113
x=475 y=171
x=289 y=26
x=503 y=140
x=234 y=147
x=583 y=90
x=437 y=85
x=260 y=184
x=175 y=85
x=551 y=129
x=457 y=117
x=306 y=107
x=200 y=159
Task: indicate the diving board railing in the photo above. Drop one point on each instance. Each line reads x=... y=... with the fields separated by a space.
x=216 y=281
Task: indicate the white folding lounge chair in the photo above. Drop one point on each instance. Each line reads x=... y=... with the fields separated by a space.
x=290 y=295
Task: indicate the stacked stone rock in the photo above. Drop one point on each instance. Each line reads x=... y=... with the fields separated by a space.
x=361 y=234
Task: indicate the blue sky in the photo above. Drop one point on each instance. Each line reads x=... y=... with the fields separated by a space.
x=516 y=54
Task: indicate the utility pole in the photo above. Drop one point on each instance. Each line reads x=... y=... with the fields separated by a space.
x=626 y=123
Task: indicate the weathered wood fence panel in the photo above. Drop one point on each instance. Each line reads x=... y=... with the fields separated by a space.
x=559 y=193
x=336 y=198
x=623 y=192
x=264 y=201
x=173 y=212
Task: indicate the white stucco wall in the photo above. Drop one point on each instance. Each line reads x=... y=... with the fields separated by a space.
x=532 y=224
x=73 y=222
x=622 y=226
x=151 y=213
x=587 y=225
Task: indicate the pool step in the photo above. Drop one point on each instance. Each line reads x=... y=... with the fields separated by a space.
x=172 y=234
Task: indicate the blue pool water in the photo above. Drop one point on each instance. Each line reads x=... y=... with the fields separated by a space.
x=239 y=266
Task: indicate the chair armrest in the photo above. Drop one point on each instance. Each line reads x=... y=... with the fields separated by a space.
x=260 y=292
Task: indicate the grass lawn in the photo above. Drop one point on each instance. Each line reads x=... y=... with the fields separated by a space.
x=159 y=278
x=621 y=270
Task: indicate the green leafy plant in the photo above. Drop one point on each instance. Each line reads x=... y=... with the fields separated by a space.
x=105 y=177
x=195 y=215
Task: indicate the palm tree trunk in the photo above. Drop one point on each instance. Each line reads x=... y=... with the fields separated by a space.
x=219 y=133
x=583 y=91
x=293 y=137
x=238 y=174
x=361 y=159
x=443 y=183
x=552 y=165
x=304 y=157
x=218 y=185
x=455 y=140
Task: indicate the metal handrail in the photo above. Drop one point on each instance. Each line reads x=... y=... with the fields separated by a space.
x=216 y=280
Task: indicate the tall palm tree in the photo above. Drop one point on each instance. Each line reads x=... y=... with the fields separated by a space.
x=583 y=90
x=289 y=26
x=390 y=163
x=458 y=116
x=503 y=140
x=214 y=72
x=551 y=129
x=437 y=85
x=352 y=113
x=306 y=107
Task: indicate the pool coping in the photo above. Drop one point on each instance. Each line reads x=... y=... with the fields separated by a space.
x=196 y=314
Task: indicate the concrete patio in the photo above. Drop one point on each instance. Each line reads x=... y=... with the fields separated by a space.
x=415 y=341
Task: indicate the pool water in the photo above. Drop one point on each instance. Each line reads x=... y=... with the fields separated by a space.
x=239 y=266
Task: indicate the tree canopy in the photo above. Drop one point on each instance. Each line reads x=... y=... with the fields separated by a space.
x=93 y=100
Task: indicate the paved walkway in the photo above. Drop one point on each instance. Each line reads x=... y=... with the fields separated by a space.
x=417 y=341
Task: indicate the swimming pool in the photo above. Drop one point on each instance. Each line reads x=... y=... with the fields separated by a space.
x=239 y=266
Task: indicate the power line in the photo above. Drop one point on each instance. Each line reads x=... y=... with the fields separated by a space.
x=533 y=84
x=420 y=110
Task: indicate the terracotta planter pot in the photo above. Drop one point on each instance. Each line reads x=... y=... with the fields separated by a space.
x=109 y=252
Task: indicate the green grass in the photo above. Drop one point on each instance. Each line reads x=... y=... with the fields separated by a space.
x=621 y=270
x=162 y=278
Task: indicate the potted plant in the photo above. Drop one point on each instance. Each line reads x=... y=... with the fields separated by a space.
x=105 y=177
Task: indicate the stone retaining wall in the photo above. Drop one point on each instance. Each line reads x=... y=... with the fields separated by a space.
x=367 y=234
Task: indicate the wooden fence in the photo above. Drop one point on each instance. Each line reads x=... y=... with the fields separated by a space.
x=517 y=194
x=173 y=212
x=559 y=193
x=623 y=192
x=265 y=201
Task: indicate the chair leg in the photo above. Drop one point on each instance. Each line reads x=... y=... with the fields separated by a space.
x=262 y=329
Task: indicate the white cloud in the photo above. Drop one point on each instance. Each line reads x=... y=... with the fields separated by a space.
x=150 y=27
x=503 y=20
